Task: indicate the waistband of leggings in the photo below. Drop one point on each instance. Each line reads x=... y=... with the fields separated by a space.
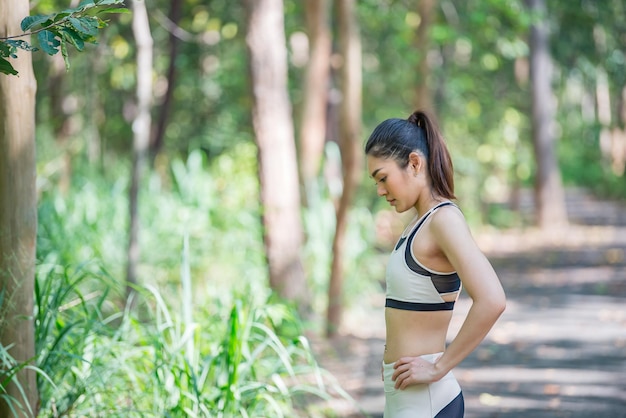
x=428 y=357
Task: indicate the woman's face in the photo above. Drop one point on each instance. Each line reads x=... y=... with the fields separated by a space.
x=397 y=185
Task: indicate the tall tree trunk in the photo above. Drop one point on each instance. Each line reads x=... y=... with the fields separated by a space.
x=314 y=108
x=549 y=194
x=274 y=135
x=95 y=115
x=18 y=212
x=141 y=132
x=618 y=150
x=349 y=144
x=612 y=137
x=60 y=117
x=423 y=93
x=164 y=112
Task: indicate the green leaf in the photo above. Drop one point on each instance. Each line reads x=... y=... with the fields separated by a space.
x=85 y=25
x=5 y=49
x=78 y=25
x=6 y=67
x=73 y=37
x=109 y=2
x=62 y=15
x=113 y=10
x=66 y=57
x=48 y=42
x=30 y=21
x=21 y=45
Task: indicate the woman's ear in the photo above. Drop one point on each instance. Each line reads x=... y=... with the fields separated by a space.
x=415 y=162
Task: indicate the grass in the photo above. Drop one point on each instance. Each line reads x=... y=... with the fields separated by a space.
x=206 y=337
x=242 y=360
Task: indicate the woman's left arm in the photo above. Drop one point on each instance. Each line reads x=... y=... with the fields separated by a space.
x=479 y=279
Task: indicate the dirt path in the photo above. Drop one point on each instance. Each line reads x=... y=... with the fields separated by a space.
x=559 y=350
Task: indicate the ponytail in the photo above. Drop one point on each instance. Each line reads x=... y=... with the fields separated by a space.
x=439 y=162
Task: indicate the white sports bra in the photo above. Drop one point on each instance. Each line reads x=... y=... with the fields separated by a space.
x=410 y=285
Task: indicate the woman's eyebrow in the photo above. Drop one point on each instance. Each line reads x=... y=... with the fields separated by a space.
x=375 y=172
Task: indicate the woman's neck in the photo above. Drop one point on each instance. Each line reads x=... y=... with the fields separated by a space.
x=427 y=203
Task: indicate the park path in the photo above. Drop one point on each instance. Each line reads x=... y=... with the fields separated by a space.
x=559 y=350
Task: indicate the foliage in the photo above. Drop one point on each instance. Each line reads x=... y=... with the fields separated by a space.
x=478 y=52
x=10 y=368
x=159 y=361
x=70 y=314
x=242 y=360
x=187 y=198
x=55 y=31
x=591 y=59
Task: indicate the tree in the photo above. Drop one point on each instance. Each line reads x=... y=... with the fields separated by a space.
x=274 y=136
x=166 y=106
x=349 y=144
x=423 y=96
x=18 y=213
x=315 y=101
x=549 y=194
x=141 y=132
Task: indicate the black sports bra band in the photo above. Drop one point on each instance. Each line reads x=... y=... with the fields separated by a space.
x=417 y=306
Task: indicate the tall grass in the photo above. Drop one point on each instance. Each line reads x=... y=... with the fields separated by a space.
x=224 y=361
x=9 y=370
x=207 y=338
x=9 y=367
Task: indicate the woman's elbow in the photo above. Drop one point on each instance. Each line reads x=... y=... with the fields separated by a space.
x=498 y=305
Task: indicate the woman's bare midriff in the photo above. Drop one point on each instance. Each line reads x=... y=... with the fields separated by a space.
x=415 y=333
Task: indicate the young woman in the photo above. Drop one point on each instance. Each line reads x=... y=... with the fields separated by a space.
x=433 y=258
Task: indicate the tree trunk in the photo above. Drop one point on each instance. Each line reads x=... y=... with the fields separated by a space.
x=349 y=144
x=18 y=212
x=166 y=107
x=141 y=132
x=314 y=108
x=95 y=114
x=549 y=194
x=274 y=135
x=60 y=118
x=423 y=94
x=612 y=137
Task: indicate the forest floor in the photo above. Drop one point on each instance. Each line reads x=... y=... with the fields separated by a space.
x=559 y=350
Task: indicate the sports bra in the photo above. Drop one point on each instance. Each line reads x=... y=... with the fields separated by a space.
x=410 y=285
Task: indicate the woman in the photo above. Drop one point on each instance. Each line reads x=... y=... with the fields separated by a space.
x=435 y=255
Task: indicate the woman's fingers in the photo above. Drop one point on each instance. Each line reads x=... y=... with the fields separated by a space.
x=410 y=371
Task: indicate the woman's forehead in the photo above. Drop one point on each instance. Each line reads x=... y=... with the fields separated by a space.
x=375 y=164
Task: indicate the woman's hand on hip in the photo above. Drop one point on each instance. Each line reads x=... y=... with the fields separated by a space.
x=412 y=371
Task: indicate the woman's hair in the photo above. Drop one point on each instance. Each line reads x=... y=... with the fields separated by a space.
x=397 y=138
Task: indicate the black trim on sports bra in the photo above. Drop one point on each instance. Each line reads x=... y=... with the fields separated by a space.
x=416 y=306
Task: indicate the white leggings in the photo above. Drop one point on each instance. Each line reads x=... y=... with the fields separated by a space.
x=441 y=399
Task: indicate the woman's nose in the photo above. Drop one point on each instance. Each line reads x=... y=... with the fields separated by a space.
x=380 y=190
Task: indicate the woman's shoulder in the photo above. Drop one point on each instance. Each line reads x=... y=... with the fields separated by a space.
x=448 y=219
x=448 y=210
